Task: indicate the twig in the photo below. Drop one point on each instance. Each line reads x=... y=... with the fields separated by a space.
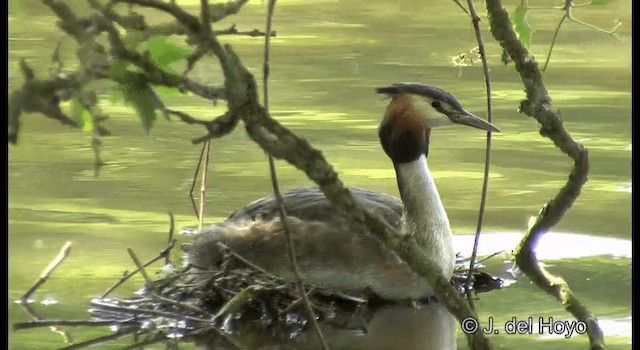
x=165 y=252
x=460 y=6
x=226 y=250
x=538 y=105
x=68 y=323
x=140 y=311
x=238 y=300
x=143 y=272
x=232 y=30
x=66 y=336
x=186 y=306
x=568 y=5
x=194 y=180
x=203 y=188
x=170 y=241
x=487 y=157
x=276 y=190
x=46 y=273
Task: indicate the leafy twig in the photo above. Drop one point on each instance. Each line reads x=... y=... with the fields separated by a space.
x=568 y=5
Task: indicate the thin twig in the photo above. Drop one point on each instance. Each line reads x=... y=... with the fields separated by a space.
x=66 y=336
x=143 y=272
x=174 y=302
x=165 y=252
x=203 y=188
x=194 y=180
x=226 y=250
x=207 y=33
x=68 y=323
x=170 y=241
x=276 y=190
x=553 y=43
x=46 y=273
x=140 y=311
x=460 y=6
x=568 y=5
x=487 y=160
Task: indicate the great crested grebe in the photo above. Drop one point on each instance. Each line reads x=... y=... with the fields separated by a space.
x=330 y=251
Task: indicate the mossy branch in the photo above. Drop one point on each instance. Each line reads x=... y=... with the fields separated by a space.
x=538 y=105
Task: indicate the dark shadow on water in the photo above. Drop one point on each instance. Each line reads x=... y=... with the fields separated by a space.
x=428 y=326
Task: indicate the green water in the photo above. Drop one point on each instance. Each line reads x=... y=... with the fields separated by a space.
x=326 y=60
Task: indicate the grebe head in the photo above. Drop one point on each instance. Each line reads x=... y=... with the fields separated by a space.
x=413 y=111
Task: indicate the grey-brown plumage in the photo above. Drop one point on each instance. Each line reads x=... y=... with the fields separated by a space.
x=329 y=247
x=310 y=204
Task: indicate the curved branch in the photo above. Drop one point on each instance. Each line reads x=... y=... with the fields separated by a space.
x=538 y=105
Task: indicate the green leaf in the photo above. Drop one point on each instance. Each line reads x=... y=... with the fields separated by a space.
x=163 y=53
x=140 y=96
x=165 y=91
x=81 y=115
x=521 y=25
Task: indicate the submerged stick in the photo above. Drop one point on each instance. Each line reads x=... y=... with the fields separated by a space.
x=66 y=336
x=46 y=273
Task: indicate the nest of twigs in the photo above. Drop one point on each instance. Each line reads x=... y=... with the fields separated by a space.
x=229 y=303
x=237 y=307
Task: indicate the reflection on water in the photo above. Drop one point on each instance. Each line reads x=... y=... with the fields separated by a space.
x=552 y=245
x=426 y=327
x=612 y=327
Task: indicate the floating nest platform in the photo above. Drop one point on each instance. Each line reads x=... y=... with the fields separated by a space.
x=244 y=307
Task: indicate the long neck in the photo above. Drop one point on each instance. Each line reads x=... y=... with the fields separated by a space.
x=424 y=215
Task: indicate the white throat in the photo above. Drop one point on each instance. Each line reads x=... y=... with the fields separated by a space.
x=424 y=215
